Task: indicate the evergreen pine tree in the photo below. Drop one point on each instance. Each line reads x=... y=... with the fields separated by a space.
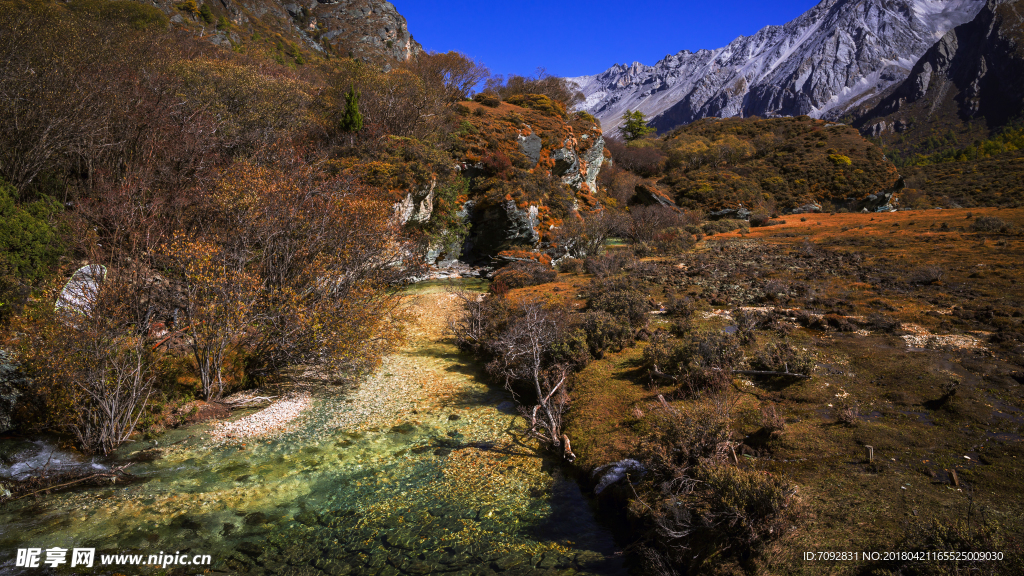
x=635 y=126
x=351 y=119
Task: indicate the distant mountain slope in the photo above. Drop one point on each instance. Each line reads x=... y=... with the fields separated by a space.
x=973 y=75
x=835 y=55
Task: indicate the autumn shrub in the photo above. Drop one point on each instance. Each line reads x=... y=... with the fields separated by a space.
x=644 y=160
x=622 y=297
x=697 y=362
x=759 y=219
x=731 y=512
x=520 y=274
x=559 y=91
x=138 y=15
x=570 y=265
x=604 y=332
x=846 y=410
x=584 y=235
x=532 y=349
x=688 y=434
x=838 y=322
x=974 y=531
x=883 y=323
x=697 y=505
x=925 y=275
x=489 y=99
x=643 y=224
x=725 y=225
x=674 y=241
x=990 y=224
x=305 y=277
x=90 y=362
x=608 y=264
x=497 y=163
x=539 y=102
x=253 y=107
x=783 y=357
x=771 y=420
x=620 y=184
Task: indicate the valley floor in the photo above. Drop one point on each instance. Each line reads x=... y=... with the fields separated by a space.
x=914 y=319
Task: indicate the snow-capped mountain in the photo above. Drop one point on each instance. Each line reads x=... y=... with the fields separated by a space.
x=832 y=57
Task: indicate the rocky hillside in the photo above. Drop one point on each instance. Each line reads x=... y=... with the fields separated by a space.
x=973 y=75
x=834 y=56
x=369 y=30
x=513 y=174
x=529 y=170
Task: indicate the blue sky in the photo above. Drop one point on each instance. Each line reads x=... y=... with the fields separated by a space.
x=572 y=38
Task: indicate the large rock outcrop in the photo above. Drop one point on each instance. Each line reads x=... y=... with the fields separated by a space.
x=529 y=170
x=367 y=30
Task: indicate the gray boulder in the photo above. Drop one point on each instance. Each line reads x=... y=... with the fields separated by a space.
x=611 y=473
x=531 y=146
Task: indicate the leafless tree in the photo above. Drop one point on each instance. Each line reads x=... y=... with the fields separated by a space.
x=583 y=235
x=521 y=355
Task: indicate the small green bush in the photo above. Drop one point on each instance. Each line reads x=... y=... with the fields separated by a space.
x=29 y=245
x=206 y=14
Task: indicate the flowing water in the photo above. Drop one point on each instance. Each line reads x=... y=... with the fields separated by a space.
x=418 y=471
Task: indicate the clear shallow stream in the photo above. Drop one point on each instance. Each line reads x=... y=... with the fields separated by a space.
x=418 y=472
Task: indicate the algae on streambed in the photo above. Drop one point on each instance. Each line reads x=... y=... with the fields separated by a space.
x=418 y=471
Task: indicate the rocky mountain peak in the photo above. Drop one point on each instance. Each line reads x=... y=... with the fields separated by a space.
x=834 y=56
x=975 y=71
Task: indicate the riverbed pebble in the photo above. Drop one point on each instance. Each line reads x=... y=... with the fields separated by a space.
x=274 y=419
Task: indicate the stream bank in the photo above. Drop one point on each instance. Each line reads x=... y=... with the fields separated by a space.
x=418 y=471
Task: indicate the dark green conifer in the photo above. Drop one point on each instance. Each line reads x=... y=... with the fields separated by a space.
x=351 y=119
x=635 y=126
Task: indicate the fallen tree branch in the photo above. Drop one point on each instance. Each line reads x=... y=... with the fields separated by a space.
x=666 y=405
x=114 y=474
x=769 y=373
x=245 y=401
x=658 y=374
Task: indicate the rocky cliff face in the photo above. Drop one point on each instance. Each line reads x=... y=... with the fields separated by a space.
x=369 y=30
x=528 y=171
x=975 y=71
x=834 y=56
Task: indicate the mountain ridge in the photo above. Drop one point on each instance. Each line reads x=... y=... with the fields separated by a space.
x=836 y=54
